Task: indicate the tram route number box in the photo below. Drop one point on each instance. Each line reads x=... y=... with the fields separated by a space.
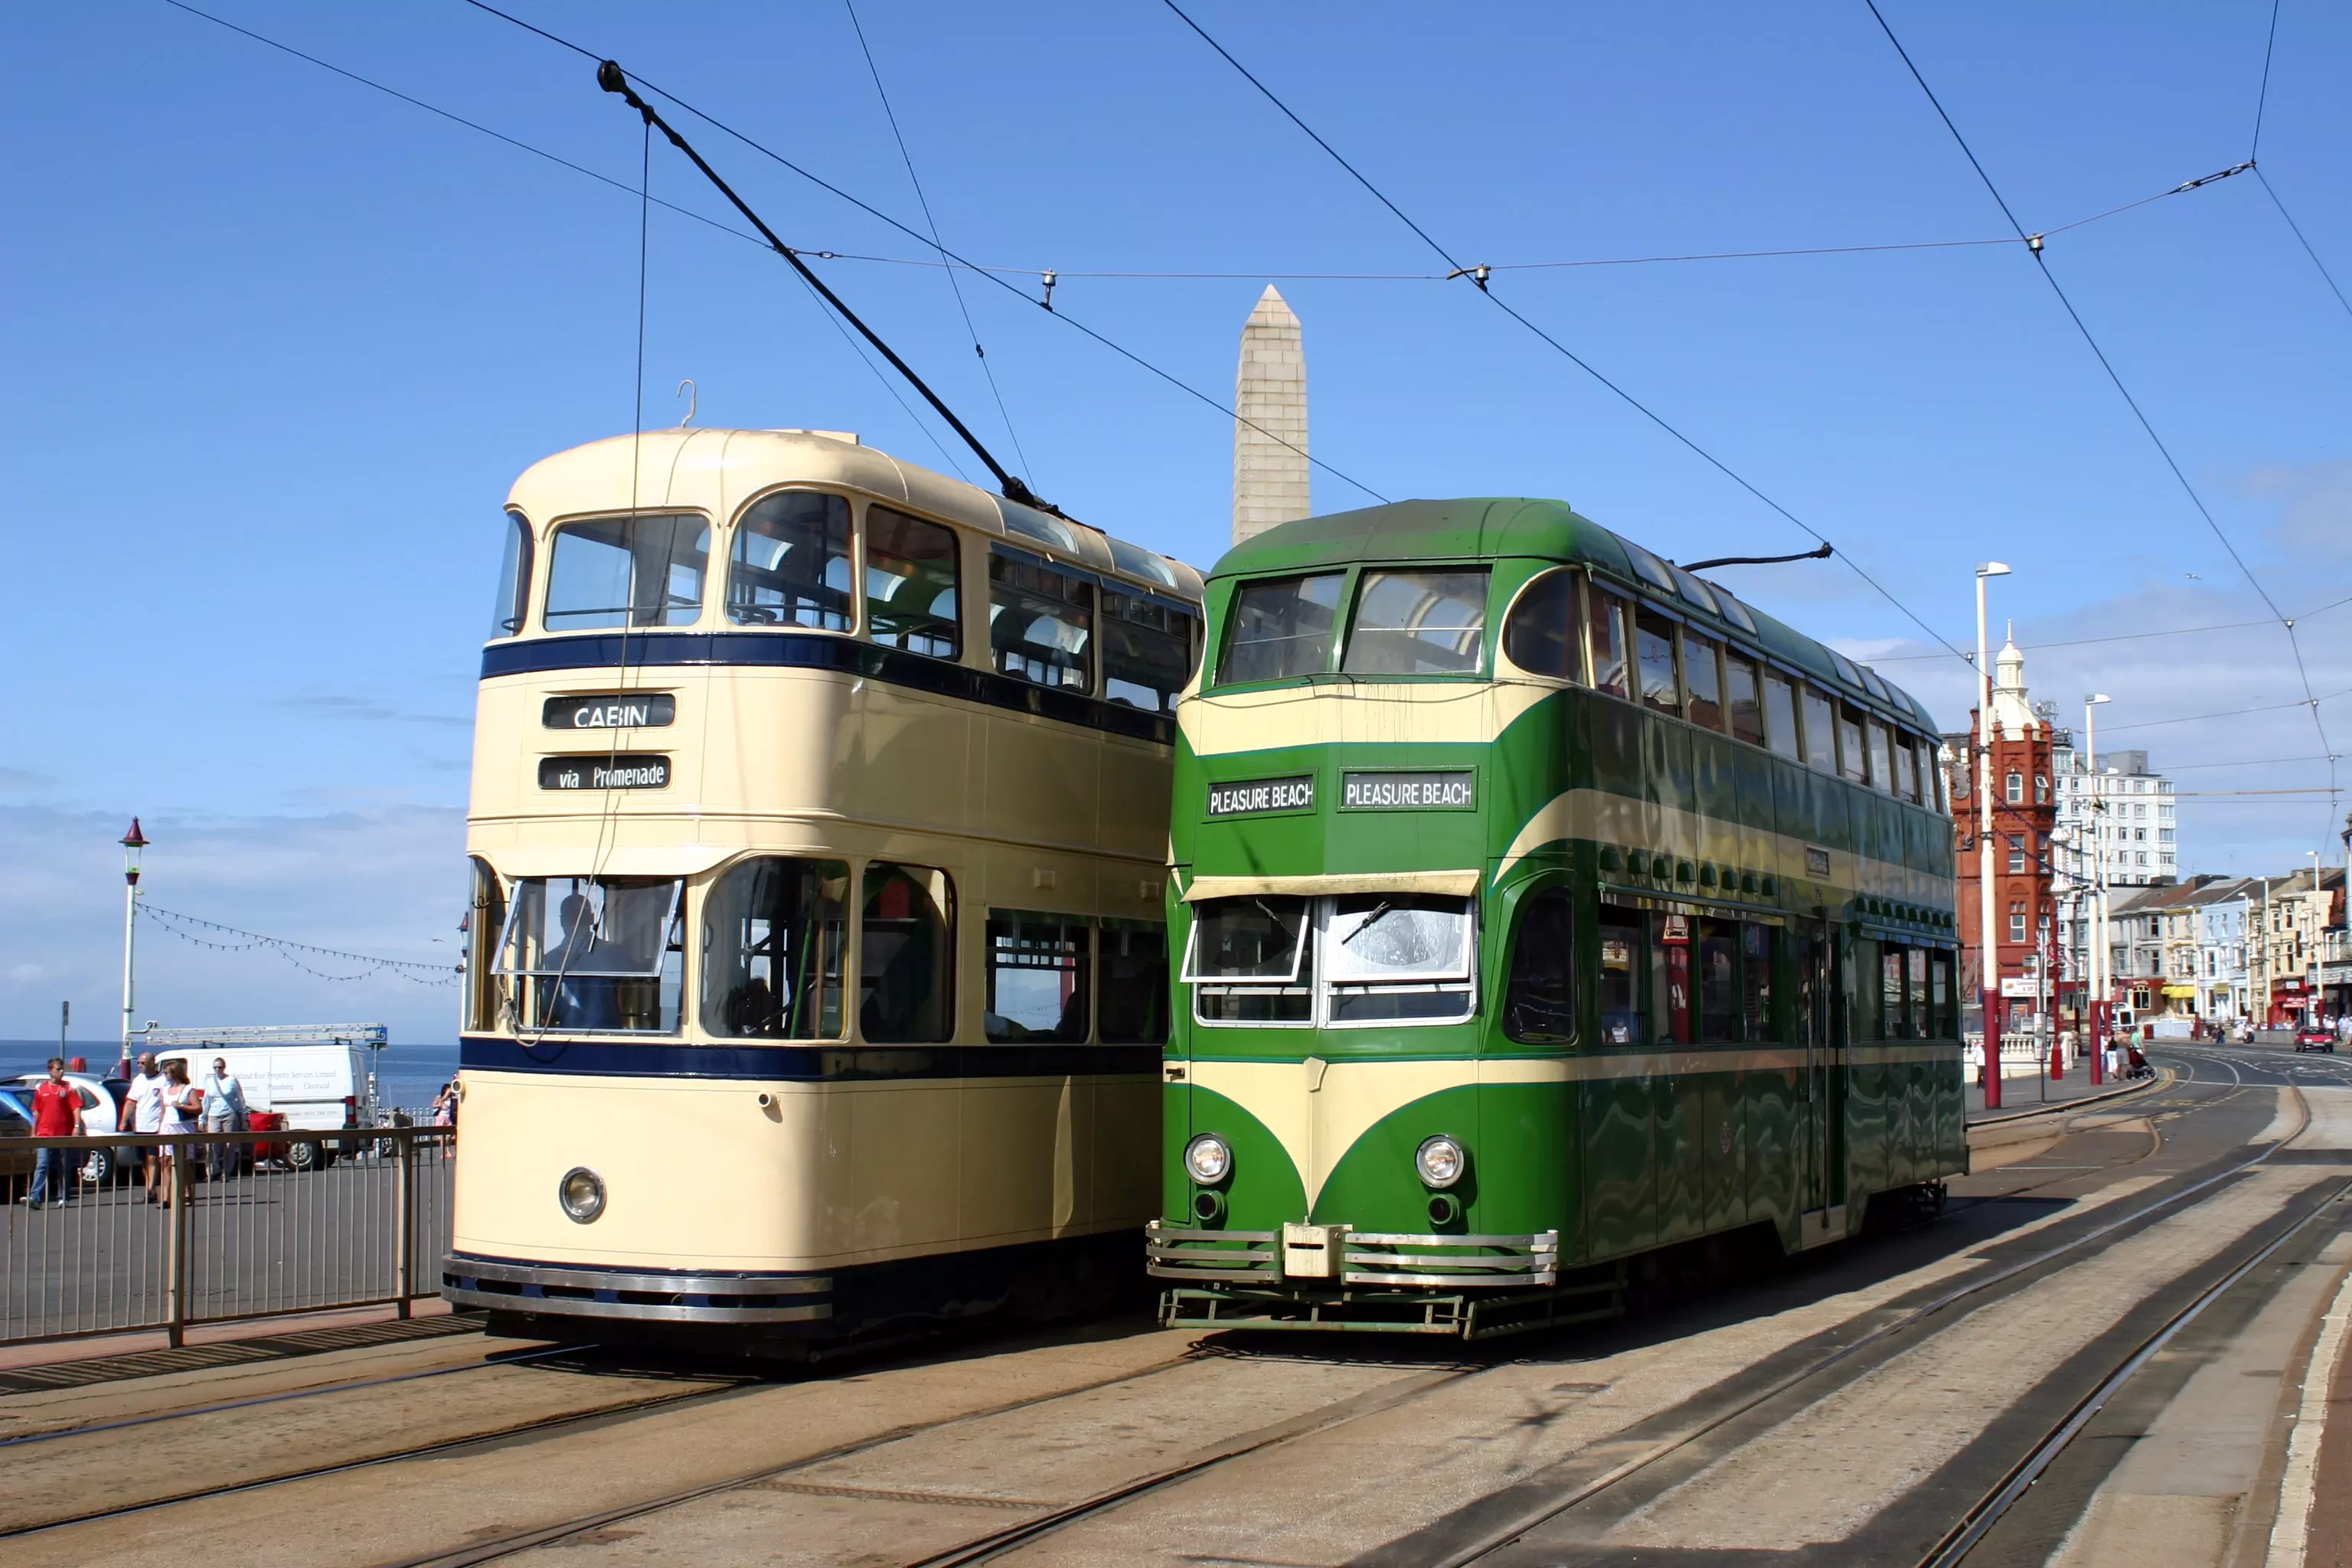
x=625 y=771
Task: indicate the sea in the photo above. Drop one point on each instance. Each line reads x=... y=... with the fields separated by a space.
x=407 y=1076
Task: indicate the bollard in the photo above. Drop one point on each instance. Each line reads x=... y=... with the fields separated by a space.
x=2057 y=1060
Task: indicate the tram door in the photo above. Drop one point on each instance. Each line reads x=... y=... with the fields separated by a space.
x=1818 y=1018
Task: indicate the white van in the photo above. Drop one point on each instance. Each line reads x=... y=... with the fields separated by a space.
x=317 y=1088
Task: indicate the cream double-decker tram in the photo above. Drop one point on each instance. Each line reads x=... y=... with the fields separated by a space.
x=818 y=965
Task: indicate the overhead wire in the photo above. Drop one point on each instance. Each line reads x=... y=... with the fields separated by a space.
x=1480 y=276
x=2254 y=151
x=881 y=216
x=2041 y=263
x=932 y=224
x=2125 y=637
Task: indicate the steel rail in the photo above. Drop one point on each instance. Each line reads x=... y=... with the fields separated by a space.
x=1535 y=1517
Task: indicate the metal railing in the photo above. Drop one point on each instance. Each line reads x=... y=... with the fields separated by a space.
x=231 y=1228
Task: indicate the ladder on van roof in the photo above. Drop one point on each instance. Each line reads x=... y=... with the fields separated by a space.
x=372 y=1035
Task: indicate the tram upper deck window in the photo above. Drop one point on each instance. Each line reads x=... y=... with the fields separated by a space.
x=1036 y=977
x=1649 y=568
x=511 y=611
x=594 y=953
x=1821 y=731
x=1398 y=957
x=911 y=577
x=627 y=570
x=1539 y=1004
x=1654 y=645
x=1610 y=672
x=791 y=565
x=1041 y=622
x=1544 y=634
x=1702 y=675
x=773 y=932
x=1882 y=756
x=906 y=956
x=1849 y=735
x=1147 y=650
x=1249 y=960
x=1742 y=702
x=1906 y=768
x=1780 y=714
x=1419 y=623
x=1280 y=627
x=1131 y=974
x=484 y=927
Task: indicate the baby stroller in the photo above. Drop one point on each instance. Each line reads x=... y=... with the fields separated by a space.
x=2134 y=1064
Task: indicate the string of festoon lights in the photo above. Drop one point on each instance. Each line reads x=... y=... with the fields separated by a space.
x=185 y=928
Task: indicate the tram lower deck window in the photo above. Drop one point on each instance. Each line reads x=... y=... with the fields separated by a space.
x=773 y=932
x=596 y=954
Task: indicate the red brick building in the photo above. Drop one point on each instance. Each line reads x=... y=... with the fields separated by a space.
x=2024 y=810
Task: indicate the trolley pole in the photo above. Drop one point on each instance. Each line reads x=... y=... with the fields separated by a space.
x=132 y=842
x=1988 y=962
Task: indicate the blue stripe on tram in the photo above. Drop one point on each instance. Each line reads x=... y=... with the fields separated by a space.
x=806 y=1064
x=807 y=650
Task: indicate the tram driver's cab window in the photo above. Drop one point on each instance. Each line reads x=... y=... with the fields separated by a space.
x=628 y=571
x=1037 y=967
x=1545 y=632
x=1041 y=622
x=1250 y=961
x=1280 y=627
x=791 y=564
x=1418 y=622
x=596 y=954
x=906 y=956
x=912 y=578
x=1360 y=959
x=773 y=933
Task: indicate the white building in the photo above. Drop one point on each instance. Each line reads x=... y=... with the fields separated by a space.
x=2136 y=824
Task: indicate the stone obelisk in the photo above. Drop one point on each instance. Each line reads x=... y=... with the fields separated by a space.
x=1270 y=435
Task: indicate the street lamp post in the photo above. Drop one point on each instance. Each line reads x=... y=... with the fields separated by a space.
x=2096 y=958
x=2316 y=967
x=132 y=842
x=1989 y=964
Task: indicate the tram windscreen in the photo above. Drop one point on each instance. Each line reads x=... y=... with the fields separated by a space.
x=1419 y=623
x=773 y=931
x=1280 y=628
x=594 y=952
x=1398 y=957
x=627 y=570
x=1249 y=960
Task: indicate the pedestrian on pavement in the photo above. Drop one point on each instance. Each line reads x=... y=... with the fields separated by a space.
x=183 y=1106
x=223 y=1113
x=146 y=1106
x=57 y=1113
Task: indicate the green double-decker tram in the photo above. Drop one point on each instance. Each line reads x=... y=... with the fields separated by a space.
x=1542 y=906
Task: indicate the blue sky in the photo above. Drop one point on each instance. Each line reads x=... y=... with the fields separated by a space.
x=278 y=344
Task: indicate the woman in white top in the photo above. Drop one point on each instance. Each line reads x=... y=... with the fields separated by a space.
x=181 y=1107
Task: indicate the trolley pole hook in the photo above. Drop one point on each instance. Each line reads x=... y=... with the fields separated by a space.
x=693 y=395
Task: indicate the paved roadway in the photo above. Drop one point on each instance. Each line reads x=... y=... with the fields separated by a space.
x=1853 y=1407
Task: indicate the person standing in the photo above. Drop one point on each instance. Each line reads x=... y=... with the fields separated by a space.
x=183 y=1105
x=145 y=1097
x=224 y=1111
x=57 y=1113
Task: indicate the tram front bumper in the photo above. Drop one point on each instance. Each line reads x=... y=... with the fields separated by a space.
x=1328 y=1257
x=501 y=1285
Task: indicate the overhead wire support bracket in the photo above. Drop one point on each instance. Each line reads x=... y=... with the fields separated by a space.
x=614 y=80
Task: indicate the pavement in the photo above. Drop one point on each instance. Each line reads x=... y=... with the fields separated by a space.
x=2023 y=1094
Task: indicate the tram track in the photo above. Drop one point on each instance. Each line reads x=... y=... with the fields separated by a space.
x=1490 y=1537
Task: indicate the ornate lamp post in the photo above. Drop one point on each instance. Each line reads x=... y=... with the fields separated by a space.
x=132 y=842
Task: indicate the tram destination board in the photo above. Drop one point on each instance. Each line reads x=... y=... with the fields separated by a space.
x=1258 y=797
x=1450 y=789
x=625 y=771
x=610 y=711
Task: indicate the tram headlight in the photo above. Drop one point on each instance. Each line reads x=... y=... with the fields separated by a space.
x=1207 y=1160
x=1442 y=1161
x=582 y=1193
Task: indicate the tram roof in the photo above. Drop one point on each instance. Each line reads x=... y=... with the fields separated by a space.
x=1547 y=530
x=715 y=470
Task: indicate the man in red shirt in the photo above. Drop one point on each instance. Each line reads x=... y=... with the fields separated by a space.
x=57 y=1113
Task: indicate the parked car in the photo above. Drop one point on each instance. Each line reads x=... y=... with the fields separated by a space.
x=2315 y=1039
x=312 y=1089
x=17 y=1154
x=101 y=1112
